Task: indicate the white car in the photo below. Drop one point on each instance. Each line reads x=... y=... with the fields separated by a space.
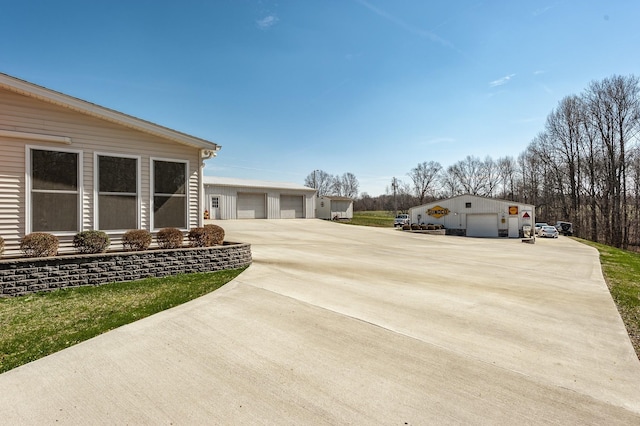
x=548 y=232
x=539 y=226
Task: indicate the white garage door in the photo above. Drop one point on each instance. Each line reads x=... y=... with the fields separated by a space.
x=482 y=225
x=251 y=206
x=291 y=207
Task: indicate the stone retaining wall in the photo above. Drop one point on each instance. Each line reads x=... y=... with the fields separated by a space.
x=23 y=276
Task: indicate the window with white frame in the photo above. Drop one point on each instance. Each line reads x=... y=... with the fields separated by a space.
x=169 y=194
x=117 y=192
x=55 y=190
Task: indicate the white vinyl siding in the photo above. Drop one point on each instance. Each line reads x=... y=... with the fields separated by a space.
x=86 y=134
x=251 y=206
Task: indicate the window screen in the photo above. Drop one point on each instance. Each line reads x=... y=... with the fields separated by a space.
x=117 y=193
x=54 y=191
x=169 y=194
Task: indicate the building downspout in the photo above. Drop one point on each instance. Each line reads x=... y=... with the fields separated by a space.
x=205 y=154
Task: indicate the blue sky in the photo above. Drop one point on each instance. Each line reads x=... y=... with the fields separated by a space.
x=370 y=87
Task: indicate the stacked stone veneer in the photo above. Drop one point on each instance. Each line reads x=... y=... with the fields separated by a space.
x=23 y=276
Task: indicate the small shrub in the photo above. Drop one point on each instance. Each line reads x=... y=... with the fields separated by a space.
x=406 y=227
x=215 y=235
x=136 y=240
x=198 y=237
x=169 y=238
x=1 y=246
x=415 y=227
x=423 y=227
x=39 y=244
x=91 y=242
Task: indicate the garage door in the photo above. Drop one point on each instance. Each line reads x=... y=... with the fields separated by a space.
x=482 y=225
x=251 y=206
x=291 y=207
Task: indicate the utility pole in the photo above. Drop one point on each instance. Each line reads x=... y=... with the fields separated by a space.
x=394 y=185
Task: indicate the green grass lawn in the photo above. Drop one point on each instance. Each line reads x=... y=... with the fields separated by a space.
x=40 y=324
x=372 y=218
x=621 y=270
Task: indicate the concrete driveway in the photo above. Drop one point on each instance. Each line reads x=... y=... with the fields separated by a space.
x=336 y=324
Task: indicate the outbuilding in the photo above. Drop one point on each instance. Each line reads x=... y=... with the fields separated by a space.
x=334 y=207
x=474 y=216
x=68 y=165
x=234 y=198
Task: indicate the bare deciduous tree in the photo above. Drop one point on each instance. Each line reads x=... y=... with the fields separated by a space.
x=320 y=180
x=424 y=177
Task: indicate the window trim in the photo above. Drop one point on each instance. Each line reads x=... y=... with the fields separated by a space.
x=28 y=220
x=152 y=193
x=96 y=188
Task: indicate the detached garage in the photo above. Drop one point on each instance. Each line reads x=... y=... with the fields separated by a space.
x=473 y=216
x=233 y=198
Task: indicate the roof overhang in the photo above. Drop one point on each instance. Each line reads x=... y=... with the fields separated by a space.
x=47 y=95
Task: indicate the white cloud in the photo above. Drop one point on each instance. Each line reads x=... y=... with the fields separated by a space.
x=267 y=22
x=501 y=81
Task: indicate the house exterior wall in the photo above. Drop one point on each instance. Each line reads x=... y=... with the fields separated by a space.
x=88 y=135
x=456 y=217
x=228 y=197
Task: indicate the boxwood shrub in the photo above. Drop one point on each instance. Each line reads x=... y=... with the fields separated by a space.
x=214 y=234
x=39 y=244
x=169 y=238
x=136 y=240
x=91 y=242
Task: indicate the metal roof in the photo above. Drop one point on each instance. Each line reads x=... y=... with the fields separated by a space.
x=47 y=95
x=251 y=183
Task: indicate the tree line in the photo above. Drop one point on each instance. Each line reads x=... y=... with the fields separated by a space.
x=583 y=167
x=345 y=185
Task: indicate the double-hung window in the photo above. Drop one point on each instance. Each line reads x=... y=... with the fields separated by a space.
x=55 y=190
x=169 y=194
x=117 y=192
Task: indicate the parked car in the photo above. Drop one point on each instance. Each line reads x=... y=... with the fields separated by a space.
x=539 y=226
x=401 y=219
x=548 y=232
x=565 y=228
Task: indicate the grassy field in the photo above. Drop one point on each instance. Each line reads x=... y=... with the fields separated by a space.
x=372 y=218
x=38 y=325
x=621 y=269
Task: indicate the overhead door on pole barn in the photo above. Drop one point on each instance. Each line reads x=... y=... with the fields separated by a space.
x=291 y=207
x=482 y=225
x=251 y=206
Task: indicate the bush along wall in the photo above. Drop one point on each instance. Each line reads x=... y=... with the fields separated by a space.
x=29 y=275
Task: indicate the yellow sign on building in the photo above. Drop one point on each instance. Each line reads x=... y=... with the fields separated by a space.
x=438 y=212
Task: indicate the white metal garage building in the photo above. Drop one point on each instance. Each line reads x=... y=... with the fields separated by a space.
x=475 y=216
x=233 y=198
x=334 y=207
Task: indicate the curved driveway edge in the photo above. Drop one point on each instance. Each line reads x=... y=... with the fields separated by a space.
x=336 y=324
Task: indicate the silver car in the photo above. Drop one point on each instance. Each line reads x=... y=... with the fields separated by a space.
x=548 y=232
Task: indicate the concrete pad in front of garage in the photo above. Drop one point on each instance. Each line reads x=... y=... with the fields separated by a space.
x=338 y=324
